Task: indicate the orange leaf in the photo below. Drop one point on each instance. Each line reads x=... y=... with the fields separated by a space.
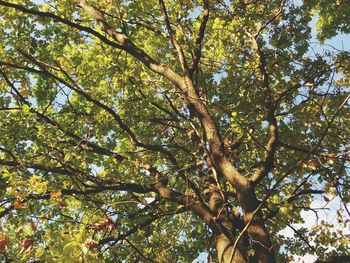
x=20 y=205
x=55 y=194
x=3 y=242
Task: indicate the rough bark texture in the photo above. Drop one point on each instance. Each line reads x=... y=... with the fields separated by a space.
x=257 y=230
x=224 y=247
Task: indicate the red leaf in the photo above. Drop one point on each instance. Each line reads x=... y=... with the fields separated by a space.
x=105 y=224
x=90 y=244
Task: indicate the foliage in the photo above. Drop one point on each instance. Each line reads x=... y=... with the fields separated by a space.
x=154 y=130
x=333 y=17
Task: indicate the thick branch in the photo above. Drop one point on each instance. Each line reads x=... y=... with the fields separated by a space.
x=186 y=86
x=129 y=46
x=61 y=20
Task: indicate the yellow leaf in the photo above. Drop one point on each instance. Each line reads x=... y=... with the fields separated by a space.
x=310 y=164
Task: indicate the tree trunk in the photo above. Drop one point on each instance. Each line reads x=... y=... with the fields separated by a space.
x=224 y=250
x=259 y=236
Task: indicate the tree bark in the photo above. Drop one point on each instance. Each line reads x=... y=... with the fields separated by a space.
x=224 y=249
x=263 y=251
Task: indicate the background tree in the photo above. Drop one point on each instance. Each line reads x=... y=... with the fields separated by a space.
x=152 y=131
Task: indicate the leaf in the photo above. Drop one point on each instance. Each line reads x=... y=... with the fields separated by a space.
x=27 y=246
x=55 y=194
x=310 y=164
x=37 y=184
x=3 y=242
x=105 y=224
x=33 y=226
x=49 y=259
x=19 y=230
x=40 y=252
x=46 y=7
x=340 y=217
x=20 y=205
x=90 y=244
x=69 y=249
x=331 y=157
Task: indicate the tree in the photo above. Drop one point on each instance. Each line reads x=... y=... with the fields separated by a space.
x=153 y=131
x=332 y=17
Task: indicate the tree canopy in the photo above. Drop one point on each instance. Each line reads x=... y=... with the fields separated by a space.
x=162 y=131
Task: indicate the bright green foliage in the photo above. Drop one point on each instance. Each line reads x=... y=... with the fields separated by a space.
x=83 y=122
x=333 y=16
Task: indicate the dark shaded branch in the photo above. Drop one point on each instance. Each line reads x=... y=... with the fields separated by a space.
x=324 y=134
x=300 y=235
x=34 y=165
x=138 y=250
x=304 y=192
x=200 y=37
x=6 y=211
x=335 y=259
x=61 y=20
x=269 y=108
x=83 y=143
x=131 y=231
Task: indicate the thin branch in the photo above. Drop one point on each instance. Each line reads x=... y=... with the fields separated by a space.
x=83 y=143
x=269 y=109
x=201 y=34
x=61 y=20
x=302 y=238
x=138 y=250
x=172 y=36
x=304 y=192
